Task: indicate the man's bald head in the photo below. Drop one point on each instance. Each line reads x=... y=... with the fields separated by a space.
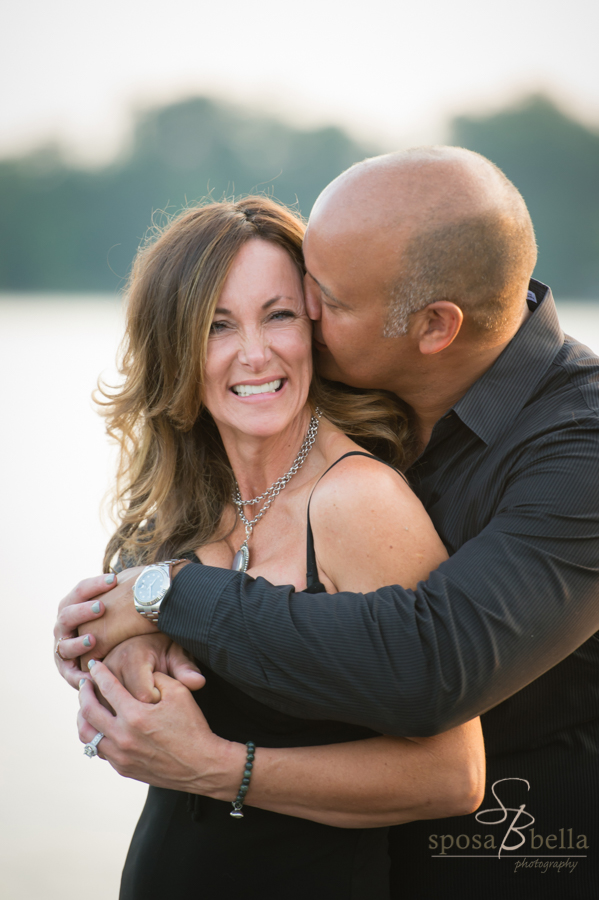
x=447 y=225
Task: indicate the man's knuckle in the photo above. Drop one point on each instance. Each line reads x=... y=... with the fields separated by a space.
x=144 y=695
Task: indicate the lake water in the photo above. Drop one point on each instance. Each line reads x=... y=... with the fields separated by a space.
x=66 y=820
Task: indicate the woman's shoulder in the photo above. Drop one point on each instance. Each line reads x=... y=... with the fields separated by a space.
x=360 y=493
x=354 y=474
x=370 y=529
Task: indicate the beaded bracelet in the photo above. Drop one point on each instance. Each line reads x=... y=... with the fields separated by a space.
x=237 y=804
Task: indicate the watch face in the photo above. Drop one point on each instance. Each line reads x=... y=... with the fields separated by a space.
x=150 y=585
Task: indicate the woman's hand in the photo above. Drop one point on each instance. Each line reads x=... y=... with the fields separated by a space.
x=120 y=620
x=166 y=744
x=81 y=605
x=136 y=661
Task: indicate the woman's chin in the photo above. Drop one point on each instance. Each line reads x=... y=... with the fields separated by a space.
x=259 y=415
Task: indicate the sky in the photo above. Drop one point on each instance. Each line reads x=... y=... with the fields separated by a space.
x=387 y=70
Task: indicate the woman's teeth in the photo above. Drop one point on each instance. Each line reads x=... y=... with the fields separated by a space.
x=246 y=390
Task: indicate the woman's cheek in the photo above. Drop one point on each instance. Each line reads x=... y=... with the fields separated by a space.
x=300 y=349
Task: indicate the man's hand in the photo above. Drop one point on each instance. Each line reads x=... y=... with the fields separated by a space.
x=81 y=605
x=135 y=662
x=167 y=744
x=120 y=620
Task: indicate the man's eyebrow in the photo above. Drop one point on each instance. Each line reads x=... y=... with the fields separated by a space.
x=327 y=292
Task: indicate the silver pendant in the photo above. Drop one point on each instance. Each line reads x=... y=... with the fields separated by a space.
x=241 y=560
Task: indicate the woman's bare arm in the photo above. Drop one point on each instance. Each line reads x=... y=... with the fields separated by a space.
x=372 y=783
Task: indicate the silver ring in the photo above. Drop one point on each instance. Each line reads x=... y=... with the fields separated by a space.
x=91 y=749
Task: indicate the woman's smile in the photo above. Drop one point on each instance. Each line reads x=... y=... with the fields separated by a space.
x=259 y=388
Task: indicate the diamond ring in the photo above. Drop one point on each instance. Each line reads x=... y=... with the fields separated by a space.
x=91 y=749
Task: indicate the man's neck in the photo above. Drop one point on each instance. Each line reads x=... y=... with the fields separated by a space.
x=448 y=380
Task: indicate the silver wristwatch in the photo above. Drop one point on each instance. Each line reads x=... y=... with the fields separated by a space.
x=151 y=586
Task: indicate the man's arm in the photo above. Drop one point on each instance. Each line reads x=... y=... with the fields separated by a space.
x=509 y=605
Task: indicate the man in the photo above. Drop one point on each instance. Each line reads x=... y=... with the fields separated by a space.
x=418 y=280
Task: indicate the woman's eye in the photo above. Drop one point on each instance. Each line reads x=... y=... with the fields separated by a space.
x=218 y=327
x=281 y=314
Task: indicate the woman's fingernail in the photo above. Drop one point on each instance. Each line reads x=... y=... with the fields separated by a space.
x=91 y=664
x=82 y=682
x=109 y=578
x=96 y=607
x=86 y=641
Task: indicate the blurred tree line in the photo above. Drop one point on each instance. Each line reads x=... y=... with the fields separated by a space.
x=68 y=229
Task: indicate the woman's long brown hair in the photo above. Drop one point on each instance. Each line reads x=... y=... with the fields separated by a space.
x=173 y=478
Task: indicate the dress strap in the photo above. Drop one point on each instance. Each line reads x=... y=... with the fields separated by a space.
x=313 y=584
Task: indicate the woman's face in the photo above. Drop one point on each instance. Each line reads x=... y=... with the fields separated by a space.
x=259 y=362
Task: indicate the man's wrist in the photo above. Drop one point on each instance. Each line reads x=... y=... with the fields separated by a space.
x=174 y=569
x=178 y=566
x=189 y=606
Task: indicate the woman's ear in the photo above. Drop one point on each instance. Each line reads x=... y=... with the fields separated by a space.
x=438 y=325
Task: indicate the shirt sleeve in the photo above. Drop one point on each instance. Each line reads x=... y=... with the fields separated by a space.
x=507 y=606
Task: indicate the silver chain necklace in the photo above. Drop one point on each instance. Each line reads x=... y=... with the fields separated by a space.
x=241 y=560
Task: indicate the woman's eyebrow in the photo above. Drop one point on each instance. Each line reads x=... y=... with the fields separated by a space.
x=274 y=300
x=227 y=312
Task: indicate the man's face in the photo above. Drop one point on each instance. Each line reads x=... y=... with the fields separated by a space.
x=347 y=297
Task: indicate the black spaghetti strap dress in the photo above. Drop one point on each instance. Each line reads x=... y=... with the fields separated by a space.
x=186 y=846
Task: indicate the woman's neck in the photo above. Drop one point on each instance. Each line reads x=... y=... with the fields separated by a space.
x=258 y=462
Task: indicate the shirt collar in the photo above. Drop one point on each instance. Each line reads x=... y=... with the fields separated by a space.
x=491 y=403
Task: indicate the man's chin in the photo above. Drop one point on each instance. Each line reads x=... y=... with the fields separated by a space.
x=327 y=368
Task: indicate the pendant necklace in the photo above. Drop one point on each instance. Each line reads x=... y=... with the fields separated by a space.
x=241 y=560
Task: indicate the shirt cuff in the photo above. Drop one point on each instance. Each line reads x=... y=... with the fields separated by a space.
x=187 y=611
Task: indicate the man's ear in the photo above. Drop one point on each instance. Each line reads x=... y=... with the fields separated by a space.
x=437 y=326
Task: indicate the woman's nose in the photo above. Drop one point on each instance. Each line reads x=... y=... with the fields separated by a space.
x=255 y=351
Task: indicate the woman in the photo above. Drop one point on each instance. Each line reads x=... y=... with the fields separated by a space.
x=235 y=454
